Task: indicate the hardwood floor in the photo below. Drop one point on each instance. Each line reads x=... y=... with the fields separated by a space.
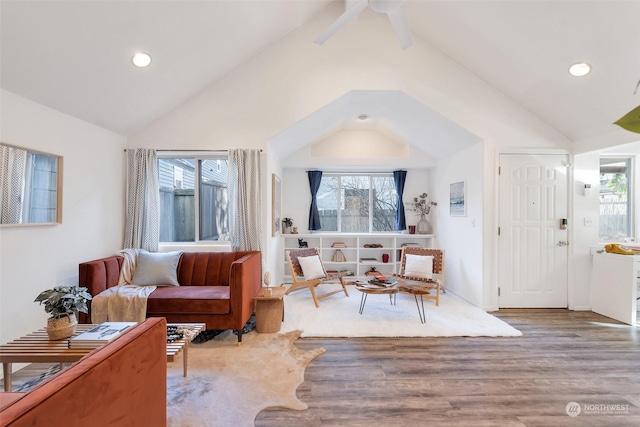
x=562 y=357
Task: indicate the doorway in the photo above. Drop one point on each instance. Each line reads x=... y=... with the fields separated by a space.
x=533 y=231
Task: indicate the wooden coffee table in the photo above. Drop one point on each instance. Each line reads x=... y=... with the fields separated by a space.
x=174 y=348
x=415 y=288
x=368 y=289
x=37 y=348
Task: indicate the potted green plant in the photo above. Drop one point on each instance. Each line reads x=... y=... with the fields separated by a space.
x=63 y=303
x=287 y=223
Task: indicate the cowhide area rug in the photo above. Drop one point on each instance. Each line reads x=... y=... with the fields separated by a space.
x=228 y=384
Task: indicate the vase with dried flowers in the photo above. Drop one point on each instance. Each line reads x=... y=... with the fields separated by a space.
x=422 y=205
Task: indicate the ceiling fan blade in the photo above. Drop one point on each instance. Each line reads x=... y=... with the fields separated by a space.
x=348 y=15
x=400 y=23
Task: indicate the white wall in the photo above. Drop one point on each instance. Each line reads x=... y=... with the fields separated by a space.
x=462 y=236
x=36 y=258
x=586 y=235
x=586 y=170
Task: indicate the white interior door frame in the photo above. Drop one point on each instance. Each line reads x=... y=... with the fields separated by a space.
x=496 y=218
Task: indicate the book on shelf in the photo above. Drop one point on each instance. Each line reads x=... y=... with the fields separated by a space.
x=366 y=260
x=338 y=245
x=100 y=334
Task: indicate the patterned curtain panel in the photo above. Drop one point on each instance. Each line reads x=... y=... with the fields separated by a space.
x=245 y=201
x=142 y=204
x=12 y=168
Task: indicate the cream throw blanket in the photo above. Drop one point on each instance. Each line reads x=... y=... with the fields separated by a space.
x=125 y=302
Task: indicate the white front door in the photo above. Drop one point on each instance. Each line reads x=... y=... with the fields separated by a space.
x=533 y=241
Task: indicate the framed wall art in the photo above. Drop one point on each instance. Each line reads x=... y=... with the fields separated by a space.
x=457 y=202
x=276 y=205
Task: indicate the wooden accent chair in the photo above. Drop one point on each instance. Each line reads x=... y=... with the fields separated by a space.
x=299 y=282
x=423 y=286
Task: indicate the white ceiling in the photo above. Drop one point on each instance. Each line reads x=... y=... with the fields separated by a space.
x=74 y=56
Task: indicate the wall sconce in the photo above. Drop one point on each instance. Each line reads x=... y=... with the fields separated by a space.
x=587 y=189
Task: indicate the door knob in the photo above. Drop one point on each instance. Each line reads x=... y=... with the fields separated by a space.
x=563 y=243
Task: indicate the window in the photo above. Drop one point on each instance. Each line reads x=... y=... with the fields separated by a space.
x=616 y=204
x=193 y=198
x=357 y=203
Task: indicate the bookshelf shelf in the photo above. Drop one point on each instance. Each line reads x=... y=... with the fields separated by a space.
x=354 y=250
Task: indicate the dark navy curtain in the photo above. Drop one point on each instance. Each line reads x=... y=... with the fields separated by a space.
x=399 y=177
x=314 y=184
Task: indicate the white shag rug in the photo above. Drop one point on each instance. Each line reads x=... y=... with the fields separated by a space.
x=338 y=316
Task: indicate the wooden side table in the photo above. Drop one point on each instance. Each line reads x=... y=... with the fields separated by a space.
x=270 y=309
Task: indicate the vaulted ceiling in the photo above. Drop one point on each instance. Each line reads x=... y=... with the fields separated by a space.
x=74 y=56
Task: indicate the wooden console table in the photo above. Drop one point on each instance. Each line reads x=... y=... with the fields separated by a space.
x=37 y=348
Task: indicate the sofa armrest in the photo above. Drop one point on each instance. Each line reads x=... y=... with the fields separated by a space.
x=245 y=281
x=96 y=276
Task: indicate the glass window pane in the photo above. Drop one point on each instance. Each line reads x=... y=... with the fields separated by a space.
x=384 y=203
x=328 y=203
x=355 y=206
x=615 y=198
x=214 y=203
x=177 y=200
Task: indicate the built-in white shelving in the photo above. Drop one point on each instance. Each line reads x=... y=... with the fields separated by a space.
x=356 y=250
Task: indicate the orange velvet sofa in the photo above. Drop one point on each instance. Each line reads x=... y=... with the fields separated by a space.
x=216 y=288
x=123 y=383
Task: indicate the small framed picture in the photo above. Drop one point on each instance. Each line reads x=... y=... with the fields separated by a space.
x=457 y=205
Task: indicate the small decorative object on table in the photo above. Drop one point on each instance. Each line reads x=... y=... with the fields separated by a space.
x=62 y=303
x=373 y=272
x=173 y=333
x=267 y=281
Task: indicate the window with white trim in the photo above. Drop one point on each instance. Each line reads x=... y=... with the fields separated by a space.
x=616 y=198
x=193 y=197
x=357 y=203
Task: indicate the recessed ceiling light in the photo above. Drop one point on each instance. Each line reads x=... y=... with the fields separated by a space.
x=363 y=117
x=141 y=59
x=580 y=69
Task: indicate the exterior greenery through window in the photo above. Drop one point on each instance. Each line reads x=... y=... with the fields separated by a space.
x=193 y=198
x=357 y=203
x=616 y=194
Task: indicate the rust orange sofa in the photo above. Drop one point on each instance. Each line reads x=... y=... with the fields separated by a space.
x=216 y=288
x=123 y=383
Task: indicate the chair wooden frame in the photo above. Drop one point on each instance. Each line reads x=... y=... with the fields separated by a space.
x=296 y=275
x=435 y=283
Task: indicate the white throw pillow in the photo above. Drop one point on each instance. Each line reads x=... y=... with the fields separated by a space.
x=418 y=266
x=157 y=269
x=311 y=267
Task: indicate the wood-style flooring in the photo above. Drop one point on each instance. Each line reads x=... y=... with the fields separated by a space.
x=562 y=357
